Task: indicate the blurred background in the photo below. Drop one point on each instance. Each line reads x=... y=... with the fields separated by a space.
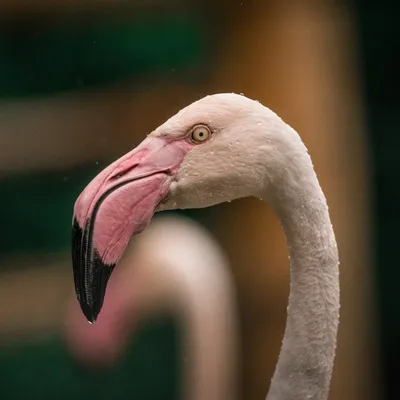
x=82 y=82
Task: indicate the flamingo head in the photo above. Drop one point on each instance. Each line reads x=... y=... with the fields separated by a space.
x=206 y=154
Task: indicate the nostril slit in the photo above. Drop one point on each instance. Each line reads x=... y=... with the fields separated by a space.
x=124 y=172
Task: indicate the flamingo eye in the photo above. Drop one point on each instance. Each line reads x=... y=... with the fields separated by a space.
x=200 y=134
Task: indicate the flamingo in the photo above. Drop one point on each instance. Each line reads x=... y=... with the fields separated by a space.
x=175 y=266
x=223 y=147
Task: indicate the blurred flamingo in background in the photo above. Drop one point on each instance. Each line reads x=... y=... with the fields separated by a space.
x=173 y=267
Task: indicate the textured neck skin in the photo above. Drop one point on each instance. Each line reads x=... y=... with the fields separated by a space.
x=306 y=358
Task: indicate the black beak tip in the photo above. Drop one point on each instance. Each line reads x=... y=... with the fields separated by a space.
x=91 y=274
x=89 y=313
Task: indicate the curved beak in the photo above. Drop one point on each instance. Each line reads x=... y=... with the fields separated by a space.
x=117 y=204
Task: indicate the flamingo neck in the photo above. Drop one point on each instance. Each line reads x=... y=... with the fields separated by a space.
x=191 y=279
x=208 y=330
x=307 y=354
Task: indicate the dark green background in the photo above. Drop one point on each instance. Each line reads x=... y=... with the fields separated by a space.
x=379 y=40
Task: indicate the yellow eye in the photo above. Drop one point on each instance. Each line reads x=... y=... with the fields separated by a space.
x=200 y=134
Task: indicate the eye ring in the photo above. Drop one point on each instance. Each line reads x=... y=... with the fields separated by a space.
x=200 y=134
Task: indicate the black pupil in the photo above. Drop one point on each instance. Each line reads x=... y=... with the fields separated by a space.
x=201 y=133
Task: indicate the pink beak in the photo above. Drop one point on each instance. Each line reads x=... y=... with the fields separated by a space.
x=117 y=204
